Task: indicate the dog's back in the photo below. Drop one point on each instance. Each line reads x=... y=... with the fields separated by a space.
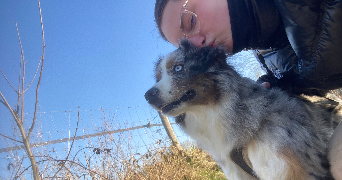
x=282 y=137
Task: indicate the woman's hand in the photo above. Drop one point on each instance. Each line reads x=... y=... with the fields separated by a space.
x=335 y=153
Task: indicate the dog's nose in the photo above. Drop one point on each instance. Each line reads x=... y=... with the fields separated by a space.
x=152 y=95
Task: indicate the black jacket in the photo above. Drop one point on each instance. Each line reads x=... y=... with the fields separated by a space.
x=298 y=41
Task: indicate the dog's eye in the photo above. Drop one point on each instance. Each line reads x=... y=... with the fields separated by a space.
x=178 y=68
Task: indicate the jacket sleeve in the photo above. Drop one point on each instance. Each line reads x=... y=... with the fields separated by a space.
x=282 y=71
x=314 y=31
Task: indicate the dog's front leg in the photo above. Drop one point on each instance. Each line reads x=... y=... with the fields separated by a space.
x=269 y=163
x=233 y=171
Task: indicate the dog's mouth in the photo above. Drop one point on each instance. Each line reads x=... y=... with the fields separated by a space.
x=189 y=95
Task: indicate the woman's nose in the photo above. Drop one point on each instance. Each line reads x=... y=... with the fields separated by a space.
x=198 y=41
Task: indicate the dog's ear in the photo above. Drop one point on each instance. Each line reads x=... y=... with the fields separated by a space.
x=157 y=73
x=218 y=55
x=207 y=58
x=214 y=57
x=186 y=46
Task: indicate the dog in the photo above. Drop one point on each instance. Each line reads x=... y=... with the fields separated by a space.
x=279 y=136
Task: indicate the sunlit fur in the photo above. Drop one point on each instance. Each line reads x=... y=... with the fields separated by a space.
x=283 y=137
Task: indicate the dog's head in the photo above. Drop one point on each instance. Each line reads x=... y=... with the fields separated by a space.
x=186 y=78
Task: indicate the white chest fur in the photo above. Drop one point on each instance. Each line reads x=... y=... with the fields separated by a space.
x=204 y=125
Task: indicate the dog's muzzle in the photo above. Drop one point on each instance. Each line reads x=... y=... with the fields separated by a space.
x=153 y=97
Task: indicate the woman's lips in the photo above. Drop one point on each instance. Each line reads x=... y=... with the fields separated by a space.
x=212 y=44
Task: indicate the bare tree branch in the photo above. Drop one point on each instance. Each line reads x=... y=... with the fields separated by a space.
x=22 y=88
x=3 y=102
x=22 y=65
x=40 y=75
x=33 y=76
x=10 y=138
x=49 y=158
x=19 y=166
x=21 y=47
x=8 y=81
x=73 y=140
x=16 y=117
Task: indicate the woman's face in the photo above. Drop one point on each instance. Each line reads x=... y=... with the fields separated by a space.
x=214 y=19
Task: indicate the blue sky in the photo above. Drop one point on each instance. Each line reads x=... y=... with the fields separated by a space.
x=98 y=53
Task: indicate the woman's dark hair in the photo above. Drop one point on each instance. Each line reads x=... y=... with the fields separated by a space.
x=158 y=12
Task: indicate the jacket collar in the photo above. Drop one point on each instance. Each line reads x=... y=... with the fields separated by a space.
x=256 y=24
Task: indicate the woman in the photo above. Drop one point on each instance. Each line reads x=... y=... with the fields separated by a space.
x=299 y=42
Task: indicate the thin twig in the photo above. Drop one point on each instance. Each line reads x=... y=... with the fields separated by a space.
x=16 y=118
x=78 y=120
x=10 y=138
x=22 y=87
x=73 y=140
x=8 y=81
x=3 y=103
x=21 y=47
x=64 y=161
x=33 y=76
x=20 y=67
x=40 y=75
x=19 y=166
x=22 y=61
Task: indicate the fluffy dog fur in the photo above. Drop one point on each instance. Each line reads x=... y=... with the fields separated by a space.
x=282 y=137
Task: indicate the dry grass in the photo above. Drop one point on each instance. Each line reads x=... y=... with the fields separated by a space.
x=191 y=163
x=162 y=163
